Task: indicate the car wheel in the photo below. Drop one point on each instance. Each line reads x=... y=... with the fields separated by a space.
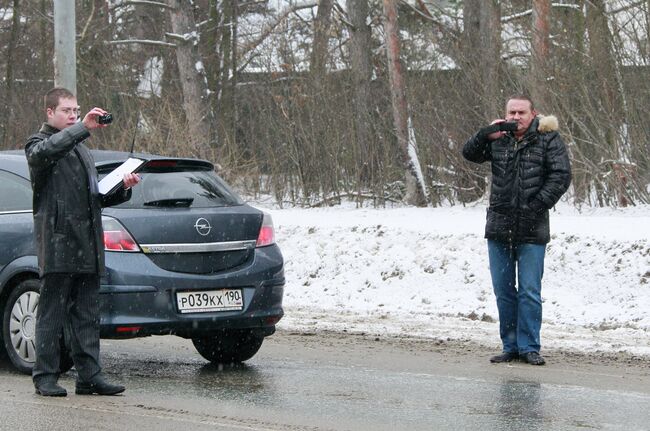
x=228 y=346
x=19 y=328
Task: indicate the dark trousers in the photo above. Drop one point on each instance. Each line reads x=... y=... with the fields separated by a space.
x=70 y=303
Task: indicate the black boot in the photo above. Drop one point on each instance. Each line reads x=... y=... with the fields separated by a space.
x=49 y=388
x=504 y=357
x=97 y=385
x=534 y=358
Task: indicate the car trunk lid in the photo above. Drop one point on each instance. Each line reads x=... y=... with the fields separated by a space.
x=201 y=241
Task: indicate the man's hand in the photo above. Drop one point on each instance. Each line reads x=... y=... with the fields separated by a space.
x=496 y=135
x=130 y=180
x=90 y=120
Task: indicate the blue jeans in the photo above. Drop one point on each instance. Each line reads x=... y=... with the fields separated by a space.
x=519 y=304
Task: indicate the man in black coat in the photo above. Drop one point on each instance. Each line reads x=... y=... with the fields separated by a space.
x=530 y=172
x=69 y=240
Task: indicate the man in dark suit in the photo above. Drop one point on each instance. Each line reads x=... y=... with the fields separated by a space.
x=69 y=240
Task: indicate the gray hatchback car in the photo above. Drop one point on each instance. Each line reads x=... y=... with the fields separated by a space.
x=185 y=256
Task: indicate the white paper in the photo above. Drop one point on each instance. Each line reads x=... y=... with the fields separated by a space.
x=115 y=177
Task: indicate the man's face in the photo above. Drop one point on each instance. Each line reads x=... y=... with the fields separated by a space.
x=520 y=111
x=64 y=115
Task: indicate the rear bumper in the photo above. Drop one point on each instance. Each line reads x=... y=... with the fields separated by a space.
x=140 y=298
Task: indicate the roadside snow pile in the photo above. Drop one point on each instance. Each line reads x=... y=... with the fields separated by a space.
x=424 y=272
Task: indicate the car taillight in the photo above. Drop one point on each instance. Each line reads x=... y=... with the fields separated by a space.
x=116 y=237
x=267 y=233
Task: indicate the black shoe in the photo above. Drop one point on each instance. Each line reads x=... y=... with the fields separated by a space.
x=534 y=358
x=50 y=389
x=97 y=385
x=504 y=357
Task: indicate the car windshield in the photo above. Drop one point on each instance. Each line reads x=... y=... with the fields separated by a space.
x=196 y=189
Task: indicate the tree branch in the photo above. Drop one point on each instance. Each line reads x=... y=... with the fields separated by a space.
x=90 y=18
x=144 y=3
x=140 y=41
x=626 y=7
x=342 y=15
x=181 y=37
x=424 y=12
x=530 y=11
x=267 y=29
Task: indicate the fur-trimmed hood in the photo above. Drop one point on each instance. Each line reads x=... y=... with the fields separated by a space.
x=547 y=123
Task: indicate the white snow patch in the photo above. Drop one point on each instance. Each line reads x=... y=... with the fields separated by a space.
x=424 y=272
x=413 y=157
x=149 y=84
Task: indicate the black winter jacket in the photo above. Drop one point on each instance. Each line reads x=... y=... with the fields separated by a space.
x=528 y=177
x=67 y=204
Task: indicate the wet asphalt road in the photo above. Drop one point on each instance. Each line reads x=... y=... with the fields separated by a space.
x=339 y=382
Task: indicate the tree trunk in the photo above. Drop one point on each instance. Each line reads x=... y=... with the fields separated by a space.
x=212 y=48
x=604 y=66
x=11 y=46
x=569 y=93
x=647 y=31
x=610 y=107
x=470 y=181
x=472 y=66
x=226 y=97
x=471 y=59
x=319 y=52
x=192 y=77
x=490 y=53
x=415 y=194
x=7 y=115
x=360 y=49
x=541 y=48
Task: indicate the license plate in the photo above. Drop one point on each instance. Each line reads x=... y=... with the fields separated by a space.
x=206 y=301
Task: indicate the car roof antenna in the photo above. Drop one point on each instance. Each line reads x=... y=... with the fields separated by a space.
x=135 y=132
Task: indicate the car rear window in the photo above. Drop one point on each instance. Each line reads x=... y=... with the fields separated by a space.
x=191 y=188
x=15 y=193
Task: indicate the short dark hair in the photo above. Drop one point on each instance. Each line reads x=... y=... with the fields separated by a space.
x=522 y=96
x=53 y=96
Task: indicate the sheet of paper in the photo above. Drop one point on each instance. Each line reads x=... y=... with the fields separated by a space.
x=115 y=177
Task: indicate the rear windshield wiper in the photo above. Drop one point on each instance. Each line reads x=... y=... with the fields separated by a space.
x=174 y=202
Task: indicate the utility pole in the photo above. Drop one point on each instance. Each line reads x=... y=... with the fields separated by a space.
x=65 y=51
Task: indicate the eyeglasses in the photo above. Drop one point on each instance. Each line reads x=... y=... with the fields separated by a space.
x=70 y=111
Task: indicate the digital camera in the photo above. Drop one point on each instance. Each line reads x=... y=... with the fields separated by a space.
x=105 y=119
x=508 y=126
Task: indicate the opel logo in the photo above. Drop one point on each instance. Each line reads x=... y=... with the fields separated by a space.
x=202 y=226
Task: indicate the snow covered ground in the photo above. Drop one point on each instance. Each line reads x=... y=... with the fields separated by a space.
x=423 y=272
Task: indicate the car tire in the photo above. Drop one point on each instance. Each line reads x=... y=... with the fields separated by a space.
x=229 y=346
x=19 y=328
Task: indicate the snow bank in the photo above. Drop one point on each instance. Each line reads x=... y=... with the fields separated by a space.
x=424 y=272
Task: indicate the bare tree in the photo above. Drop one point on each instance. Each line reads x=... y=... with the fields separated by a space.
x=319 y=52
x=608 y=98
x=541 y=50
x=490 y=53
x=471 y=181
x=471 y=60
x=226 y=66
x=647 y=28
x=352 y=131
x=415 y=191
x=360 y=60
x=7 y=115
x=11 y=47
x=192 y=75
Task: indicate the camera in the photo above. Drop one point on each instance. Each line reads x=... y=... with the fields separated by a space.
x=105 y=119
x=508 y=126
